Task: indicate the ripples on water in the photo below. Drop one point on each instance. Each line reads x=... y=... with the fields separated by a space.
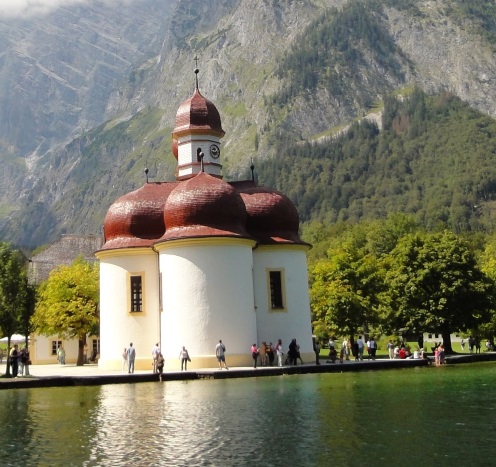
x=432 y=416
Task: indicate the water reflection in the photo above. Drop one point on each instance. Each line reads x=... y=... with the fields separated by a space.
x=430 y=416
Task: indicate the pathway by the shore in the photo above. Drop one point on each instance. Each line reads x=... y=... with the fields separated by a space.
x=90 y=375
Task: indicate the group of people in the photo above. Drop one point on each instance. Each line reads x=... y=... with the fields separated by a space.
x=352 y=348
x=402 y=350
x=19 y=361
x=265 y=354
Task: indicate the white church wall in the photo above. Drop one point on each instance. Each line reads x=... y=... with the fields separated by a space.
x=207 y=288
x=293 y=321
x=118 y=326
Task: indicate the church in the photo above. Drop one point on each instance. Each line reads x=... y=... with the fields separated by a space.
x=199 y=259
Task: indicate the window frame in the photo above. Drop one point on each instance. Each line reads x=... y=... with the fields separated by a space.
x=57 y=345
x=278 y=288
x=130 y=299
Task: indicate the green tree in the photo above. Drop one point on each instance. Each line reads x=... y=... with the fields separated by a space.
x=488 y=266
x=68 y=303
x=436 y=285
x=14 y=295
x=346 y=288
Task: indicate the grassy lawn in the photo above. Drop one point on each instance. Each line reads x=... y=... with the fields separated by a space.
x=383 y=353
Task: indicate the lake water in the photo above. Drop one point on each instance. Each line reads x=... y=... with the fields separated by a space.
x=420 y=416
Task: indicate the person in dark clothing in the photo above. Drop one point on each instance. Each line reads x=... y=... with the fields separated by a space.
x=354 y=350
x=270 y=353
x=293 y=352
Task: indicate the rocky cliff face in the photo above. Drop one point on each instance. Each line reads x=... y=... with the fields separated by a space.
x=64 y=73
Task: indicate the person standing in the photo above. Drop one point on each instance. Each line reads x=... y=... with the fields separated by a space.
x=254 y=354
x=360 y=348
x=316 y=349
x=279 y=352
x=22 y=360
x=345 y=348
x=124 y=359
x=184 y=357
x=14 y=360
x=390 y=347
x=160 y=365
x=270 y=353
x=263 y=353
x=61 y=354
x=471 y=344
x=462 y=343
x=27 y=363
x=372 y=348
x=220 y=350
x=131 y=356
x=155 y=354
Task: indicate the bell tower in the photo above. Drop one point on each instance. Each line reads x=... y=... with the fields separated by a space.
x=196 y=137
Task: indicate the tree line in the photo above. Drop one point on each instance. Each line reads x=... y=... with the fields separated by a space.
x=394 y=276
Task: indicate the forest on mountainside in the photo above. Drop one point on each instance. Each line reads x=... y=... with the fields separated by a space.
x=332 y=50
x=434 y=158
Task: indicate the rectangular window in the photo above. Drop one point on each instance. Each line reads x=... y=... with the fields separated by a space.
x=136 y=294
x=276 y=289
x=96 y=346
x=55 y=346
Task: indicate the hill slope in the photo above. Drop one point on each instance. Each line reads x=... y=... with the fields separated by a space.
x=277 y=71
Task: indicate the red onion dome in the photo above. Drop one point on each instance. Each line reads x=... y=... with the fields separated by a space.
x=137 y=218
x=197 y=114
x=204 y=206
x=272 y=217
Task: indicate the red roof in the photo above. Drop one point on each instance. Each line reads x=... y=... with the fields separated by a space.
x=198 y=114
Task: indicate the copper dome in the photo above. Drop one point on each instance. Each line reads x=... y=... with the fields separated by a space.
x=197 y=114
x=137 y=218
x=272 y=217
x=204 y=206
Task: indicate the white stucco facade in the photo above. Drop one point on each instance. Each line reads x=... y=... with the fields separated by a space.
x=207 y=290
x=118 y=325
x=293 y=320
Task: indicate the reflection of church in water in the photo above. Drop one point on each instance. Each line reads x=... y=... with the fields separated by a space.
x=201 y=259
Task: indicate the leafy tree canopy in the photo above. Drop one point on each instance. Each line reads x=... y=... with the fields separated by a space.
x=68 y=303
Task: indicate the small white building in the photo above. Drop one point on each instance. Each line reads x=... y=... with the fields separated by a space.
x=43 y=349
x=201 y=259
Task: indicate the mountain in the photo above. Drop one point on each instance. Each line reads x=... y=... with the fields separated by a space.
x=99 y=87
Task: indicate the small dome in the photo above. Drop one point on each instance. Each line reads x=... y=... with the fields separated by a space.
x=137 y=218
x=204 y=206
x=272 y=217
x=197 y=114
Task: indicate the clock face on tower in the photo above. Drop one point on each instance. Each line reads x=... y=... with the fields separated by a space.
x=214 y=151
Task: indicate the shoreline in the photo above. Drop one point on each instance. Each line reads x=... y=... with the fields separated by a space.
x=90 y=375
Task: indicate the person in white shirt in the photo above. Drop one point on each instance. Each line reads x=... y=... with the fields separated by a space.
x=371 y=348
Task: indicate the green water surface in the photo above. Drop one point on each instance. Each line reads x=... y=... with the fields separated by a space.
x=435 y=416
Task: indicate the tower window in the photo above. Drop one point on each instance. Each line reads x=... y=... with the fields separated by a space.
x=136 y=294
x=276 y=288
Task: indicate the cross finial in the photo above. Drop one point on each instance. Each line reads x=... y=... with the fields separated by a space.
x=196 y=71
